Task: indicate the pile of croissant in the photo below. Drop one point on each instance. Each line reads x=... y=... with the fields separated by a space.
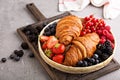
x=68 y=32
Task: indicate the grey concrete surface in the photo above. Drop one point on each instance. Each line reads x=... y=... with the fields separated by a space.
x=13 y=15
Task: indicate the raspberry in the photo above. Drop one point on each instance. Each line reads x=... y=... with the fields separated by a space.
x=108 y=35
x=107 y=28
x=102 y=39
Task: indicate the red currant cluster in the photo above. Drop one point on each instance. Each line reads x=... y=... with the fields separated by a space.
x=92 y=24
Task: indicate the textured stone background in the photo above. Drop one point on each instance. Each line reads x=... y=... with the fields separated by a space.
x=13 y=14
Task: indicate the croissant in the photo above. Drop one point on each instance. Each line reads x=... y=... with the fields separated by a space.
x=68 y=28
x=81 y=48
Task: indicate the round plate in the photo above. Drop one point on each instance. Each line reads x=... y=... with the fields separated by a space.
x=70 y=69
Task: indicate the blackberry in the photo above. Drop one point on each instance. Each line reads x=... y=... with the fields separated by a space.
x=24 y=45
x=19 y=53
x=54 y=24
x=47 y=33
x=98 y=46
x=99 y=52
x=103 y=47
x=3 y=60
x=107 y=43
x=109 y=50
x=47 y=29
x=27 y=32
x=32 y=38
x=15 y=51
x=52 y=30
x=104 y=56
x=12 y=56
x=39 y=28
x=51 y=26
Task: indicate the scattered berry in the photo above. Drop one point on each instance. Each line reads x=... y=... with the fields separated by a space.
x=12 y=56
x=19 y=53
x=24 y=45
x=3 y=60
x=31 y=55
x=16 y=58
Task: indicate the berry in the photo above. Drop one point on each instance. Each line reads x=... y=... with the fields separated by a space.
x=52 y=30
x=87 y=18
x=32 y=38
x=19 y=53
x=107 y=28
x=95 y=56
x=3 y=60
x=91 y=16
x=107 y=43
x=31 y=55
x=80 y=63
x=104 y=56
x=47 y=33
x=39 y=28
x=108 y=35
x=97 y=61
x=92 y=60
x=93 y=29
x=12 y=56
x=89 y=24
x=85 y=63
x=102 y=39
x=58 y=58
x=16 y=58
x=47 y=29
x=99 y=52
x=15 y=51
x=83 y=33
x=44 y=24
x=27 y=32
x=99 y=32
x=24 y=45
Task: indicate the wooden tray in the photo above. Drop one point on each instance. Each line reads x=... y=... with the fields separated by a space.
x=53 y=73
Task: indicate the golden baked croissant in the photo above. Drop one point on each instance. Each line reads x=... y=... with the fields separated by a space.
x=68 y=28
x=81 y=48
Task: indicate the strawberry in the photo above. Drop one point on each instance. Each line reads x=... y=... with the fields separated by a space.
x=58 y=48
x=44 y=38
x=49 y=53
x=51 y=42
x=58 y=58
x=44 y=45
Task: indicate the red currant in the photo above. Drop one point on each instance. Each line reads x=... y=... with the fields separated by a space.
x=93 y=29
x=88 y=30
x=88 y=23
x=87 y=18
x=91 y=16
x=83 y=33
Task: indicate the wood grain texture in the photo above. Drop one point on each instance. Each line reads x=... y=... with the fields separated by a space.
x=56 y=74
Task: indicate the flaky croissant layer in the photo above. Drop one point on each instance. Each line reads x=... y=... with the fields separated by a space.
x=81 y=48
x=68 y=28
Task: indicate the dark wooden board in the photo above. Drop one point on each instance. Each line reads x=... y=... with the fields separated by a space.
x=53 y=73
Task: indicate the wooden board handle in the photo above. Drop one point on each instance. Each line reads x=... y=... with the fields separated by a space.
x=35 y=12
